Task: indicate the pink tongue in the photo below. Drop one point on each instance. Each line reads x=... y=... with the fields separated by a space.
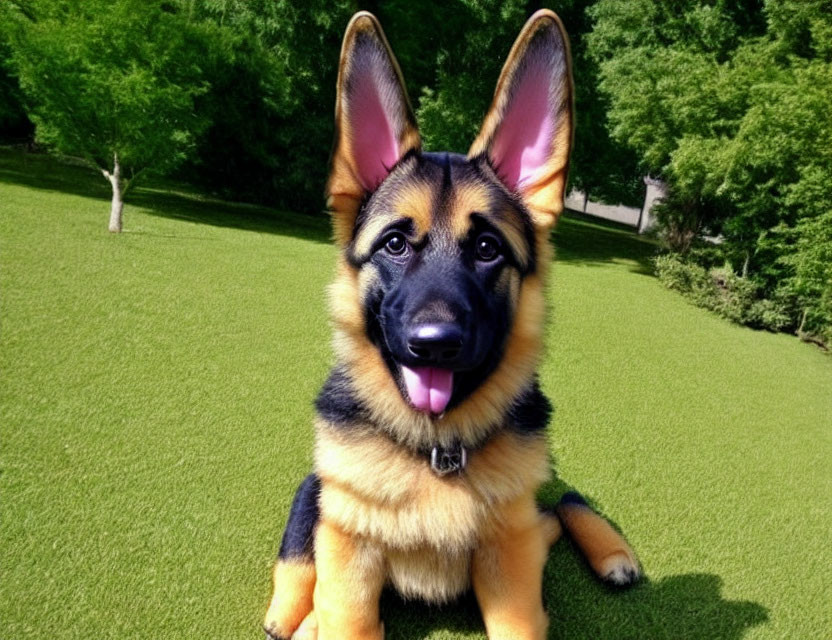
x=429 y=388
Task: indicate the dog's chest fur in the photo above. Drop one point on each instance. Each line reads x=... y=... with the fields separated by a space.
x=426 y=526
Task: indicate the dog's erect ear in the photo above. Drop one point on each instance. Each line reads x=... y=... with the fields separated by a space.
x=374 y=122
x=527 y=133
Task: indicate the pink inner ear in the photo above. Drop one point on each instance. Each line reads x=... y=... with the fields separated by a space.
x=523 y=142
x=374 y=145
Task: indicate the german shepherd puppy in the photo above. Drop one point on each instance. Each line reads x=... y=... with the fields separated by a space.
x=430 y=431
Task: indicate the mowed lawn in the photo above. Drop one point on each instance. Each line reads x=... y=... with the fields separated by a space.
x=156 y=410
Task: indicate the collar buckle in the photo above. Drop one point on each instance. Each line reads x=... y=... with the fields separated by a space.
x=445 y=460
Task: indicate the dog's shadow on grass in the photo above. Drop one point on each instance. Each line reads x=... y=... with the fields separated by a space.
x=682 y=606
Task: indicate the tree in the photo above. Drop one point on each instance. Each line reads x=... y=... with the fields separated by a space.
x=271 y=99
x=111 y=81
x=272 y=89
x=455 y=61
x=728 y=101
x=808 y=259
x=271 y=95
x=673 y=94
x=14 y=125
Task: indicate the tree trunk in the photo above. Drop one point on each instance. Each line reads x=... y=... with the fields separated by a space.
x=117 y=205
x=116 y=208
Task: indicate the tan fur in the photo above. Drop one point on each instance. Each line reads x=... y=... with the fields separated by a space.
x=508 y=571
x=350 y=579
x=605 y=549
x=414 y=201
x=465 y=200
x=425 y=526
x=294 y=582
x=552 y=528
x=308 y=629
x=434 y=575
x=372 y=487
x=367 y=278
x=509 y=284
x=468 y=199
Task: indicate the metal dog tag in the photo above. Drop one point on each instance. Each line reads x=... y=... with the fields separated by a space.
x=448 y=460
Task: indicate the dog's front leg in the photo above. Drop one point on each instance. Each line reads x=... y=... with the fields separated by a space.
x=348 y=589
x=507 y=574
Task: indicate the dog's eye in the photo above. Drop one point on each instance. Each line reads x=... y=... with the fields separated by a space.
x=488 y=247
x=396 y=244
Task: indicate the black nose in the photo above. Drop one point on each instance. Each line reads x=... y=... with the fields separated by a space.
x=436 y=342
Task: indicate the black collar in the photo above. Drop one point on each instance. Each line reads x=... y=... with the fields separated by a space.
x=339 y=405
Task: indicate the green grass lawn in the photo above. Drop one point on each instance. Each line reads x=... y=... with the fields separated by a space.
x=156 y=411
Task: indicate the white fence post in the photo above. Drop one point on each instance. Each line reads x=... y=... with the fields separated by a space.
x=656 y=190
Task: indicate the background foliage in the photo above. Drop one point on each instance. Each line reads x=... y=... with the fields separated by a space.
x=15 y=126
x=103 y=79
x=727 y=101
x=262 y=79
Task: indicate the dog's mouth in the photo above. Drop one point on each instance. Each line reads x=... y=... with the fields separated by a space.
x=429 y=389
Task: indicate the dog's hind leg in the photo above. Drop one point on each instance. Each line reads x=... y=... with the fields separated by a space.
x=294 y=572
x=609 y=555
x=552 y=528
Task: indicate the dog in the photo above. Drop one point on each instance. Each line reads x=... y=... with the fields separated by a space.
x=430 y=430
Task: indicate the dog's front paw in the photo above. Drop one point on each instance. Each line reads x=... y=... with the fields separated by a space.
x=291 y=604
x=279 y=624
x=308 y=629
x=273 y=631
x=620 y=569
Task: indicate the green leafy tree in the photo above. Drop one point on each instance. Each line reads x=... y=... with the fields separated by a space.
x=674 y=96
x=777 y=168
x=728 y=100
x=271 y=96
x=271 y=99
x=112 y=82
x=467 y=48
x=15 y=126
x=272 y=91
x=805 y=264
x=457 y=58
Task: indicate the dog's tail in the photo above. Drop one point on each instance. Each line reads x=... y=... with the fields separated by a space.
x=606 y=551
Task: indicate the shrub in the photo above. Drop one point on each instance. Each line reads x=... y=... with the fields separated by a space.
x=727 y=294
x=676 y=274
x=733 y=296
x=770 y=314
